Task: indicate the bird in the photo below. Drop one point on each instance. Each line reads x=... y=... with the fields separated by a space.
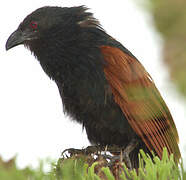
x=101 y=83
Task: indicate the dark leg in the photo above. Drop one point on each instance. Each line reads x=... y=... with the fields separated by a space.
x=124 y=154
x=130 y=147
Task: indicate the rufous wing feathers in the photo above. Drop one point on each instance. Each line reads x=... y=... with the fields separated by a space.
x=139 y=99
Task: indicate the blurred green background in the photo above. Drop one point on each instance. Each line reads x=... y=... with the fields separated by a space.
x=170 y=21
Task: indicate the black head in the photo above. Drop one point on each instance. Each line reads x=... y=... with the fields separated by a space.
x=46 y=21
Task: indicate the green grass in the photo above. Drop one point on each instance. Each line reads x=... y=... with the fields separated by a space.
x=89 y=167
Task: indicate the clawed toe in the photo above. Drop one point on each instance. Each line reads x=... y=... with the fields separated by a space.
x=118 y=154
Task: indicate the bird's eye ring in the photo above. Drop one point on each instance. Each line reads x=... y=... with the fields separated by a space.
x=33 y=25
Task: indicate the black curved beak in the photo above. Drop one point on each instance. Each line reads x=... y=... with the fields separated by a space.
x=15 y=39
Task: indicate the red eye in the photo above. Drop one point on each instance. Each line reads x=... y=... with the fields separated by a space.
x=33 y=25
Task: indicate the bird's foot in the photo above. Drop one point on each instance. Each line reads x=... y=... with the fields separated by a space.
x=93 y=149
x=124 y=155
x=86 y=151
x=120 y=153
x=71 y=152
